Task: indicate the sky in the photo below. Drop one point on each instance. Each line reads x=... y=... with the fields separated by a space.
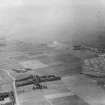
x=51 y=19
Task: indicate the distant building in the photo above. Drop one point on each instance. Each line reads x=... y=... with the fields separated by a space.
x=94 y=66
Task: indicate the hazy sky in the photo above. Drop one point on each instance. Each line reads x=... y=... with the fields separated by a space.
x=51 y=19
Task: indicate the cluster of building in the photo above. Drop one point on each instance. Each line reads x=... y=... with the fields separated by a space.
x=94 y=66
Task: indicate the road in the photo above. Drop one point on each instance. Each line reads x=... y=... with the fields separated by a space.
x=14 y=87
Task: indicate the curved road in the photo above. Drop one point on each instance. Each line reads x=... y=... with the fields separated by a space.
x=14 y=88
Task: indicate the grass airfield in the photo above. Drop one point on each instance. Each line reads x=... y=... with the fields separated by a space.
x=56 y=90
x=72 y=89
